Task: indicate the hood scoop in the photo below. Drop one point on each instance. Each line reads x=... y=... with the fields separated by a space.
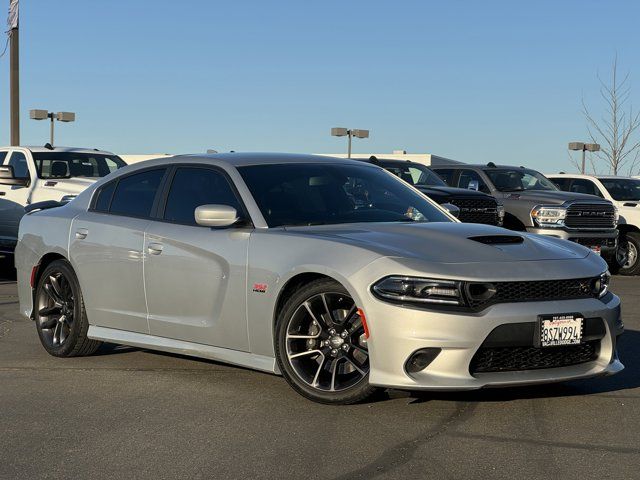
x=498 y=239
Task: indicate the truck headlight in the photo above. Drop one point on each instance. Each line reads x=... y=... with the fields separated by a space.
x=419 y=290
x=548 y=216
x=500 y=211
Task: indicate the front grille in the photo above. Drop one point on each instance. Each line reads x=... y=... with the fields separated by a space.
x=509 y=359
x=511 y=292
x=597 y=216
x=594 y=241
x=477 y=210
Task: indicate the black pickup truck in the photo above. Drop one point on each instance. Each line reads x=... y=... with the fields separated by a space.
x=475 y=207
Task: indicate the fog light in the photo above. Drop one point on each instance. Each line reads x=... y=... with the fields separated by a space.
x=421 y=359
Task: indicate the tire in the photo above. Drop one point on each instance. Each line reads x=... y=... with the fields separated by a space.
x=59 y=313
x=336 y=369
x=631 y=241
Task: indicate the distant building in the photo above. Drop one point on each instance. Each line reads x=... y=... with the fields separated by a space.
x=129 y=159
x=424 y=158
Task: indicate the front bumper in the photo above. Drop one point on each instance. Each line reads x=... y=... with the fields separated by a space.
x=397 y=332
x=608 y=241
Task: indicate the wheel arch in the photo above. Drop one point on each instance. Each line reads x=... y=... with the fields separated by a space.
x=625 y=228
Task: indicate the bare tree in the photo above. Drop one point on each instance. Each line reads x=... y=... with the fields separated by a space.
x=615 y=130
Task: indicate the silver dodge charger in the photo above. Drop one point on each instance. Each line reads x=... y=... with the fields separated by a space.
x=333 y=273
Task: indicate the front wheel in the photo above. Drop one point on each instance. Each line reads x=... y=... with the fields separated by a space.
x=321 y=347
x=59 y=313
x=628 y=250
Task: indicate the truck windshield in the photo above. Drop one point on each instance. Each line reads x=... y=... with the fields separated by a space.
x=622 y=189
x=518 y=179
x=72 y=164
x=319 y=194
x=414 y=174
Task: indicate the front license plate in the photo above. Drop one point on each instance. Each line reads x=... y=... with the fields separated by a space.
x=562 y=329
x=596 y=249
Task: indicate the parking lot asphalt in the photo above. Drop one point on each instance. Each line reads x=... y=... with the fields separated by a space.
x=131 y=413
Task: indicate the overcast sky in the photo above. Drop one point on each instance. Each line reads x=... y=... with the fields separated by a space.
x=473 y=81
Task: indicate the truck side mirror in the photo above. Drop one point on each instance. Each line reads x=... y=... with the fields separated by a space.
x=8 y=177
x=474 y=185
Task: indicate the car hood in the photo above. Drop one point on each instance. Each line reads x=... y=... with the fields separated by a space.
x=70 y=186
x=452 y=191
x=448 y=242
x=551 y=196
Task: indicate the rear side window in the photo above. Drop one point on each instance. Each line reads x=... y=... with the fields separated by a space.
x=446 y=174
x=134 y=194
x=192 y=187
x=103 y=199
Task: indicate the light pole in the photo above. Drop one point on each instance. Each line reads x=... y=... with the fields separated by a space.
x=60 y=116
x=349 y=132
x=584 y=147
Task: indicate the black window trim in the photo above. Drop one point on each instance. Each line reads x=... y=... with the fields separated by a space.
x=158 y=216
x=154 y=207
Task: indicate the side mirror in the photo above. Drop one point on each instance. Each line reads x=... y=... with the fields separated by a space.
x=452 y=209
x=216 y=215
x=8 y=177
x=474 y=185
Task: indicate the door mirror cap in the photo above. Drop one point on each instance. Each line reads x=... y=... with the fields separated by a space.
x=474 y=185
x=452 y=209
x=8 y=177
x=216 y=215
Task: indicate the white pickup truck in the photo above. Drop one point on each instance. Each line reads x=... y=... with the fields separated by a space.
x=35 y=174
x=624 y=192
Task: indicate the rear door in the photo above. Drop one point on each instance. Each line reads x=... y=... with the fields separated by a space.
x=195 y=276
x=106 y=247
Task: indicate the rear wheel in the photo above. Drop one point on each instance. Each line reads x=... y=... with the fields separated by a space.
x=628 y=254
x=59 y=313
x=321 y=347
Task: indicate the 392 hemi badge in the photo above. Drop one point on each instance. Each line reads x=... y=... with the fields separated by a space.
x=260 y=287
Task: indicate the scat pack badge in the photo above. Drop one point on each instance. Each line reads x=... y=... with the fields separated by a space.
x=260 y=287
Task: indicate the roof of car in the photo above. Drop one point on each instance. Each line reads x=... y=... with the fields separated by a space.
x=42 y=148
x=241 y=159
x=583 y=175
x=478 y=165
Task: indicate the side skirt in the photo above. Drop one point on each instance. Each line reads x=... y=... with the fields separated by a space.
x=235 y=357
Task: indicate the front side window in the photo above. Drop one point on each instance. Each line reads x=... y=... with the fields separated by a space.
x=134 y=194
x=71 y=164
x=518 y=179
x=192 y=187
x=317 y=194
x=19 y=163
x=471 y=179
x=622 y=189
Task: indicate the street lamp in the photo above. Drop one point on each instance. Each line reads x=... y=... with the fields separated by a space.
x=60 y=116
x=584 y=147
x=349 y=132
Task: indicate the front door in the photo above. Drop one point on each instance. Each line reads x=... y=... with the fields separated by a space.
x=195 y=276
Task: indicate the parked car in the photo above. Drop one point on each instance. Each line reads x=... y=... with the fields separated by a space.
x=534 y=204
x=474 y=206
x=624 y=193
x=36 y=174
x=332 y=272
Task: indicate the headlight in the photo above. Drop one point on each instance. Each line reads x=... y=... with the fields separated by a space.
x=419 y=290
x=500 y=210
x=600 y=286
x=549 y=216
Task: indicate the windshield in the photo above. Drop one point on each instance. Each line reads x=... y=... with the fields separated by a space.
x=72 y=164
x=518 y=179
x=317 y=194
x=414 y=174
x=623 y=189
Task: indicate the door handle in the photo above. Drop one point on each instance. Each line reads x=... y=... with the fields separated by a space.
x=82 y=233
x=154 y=248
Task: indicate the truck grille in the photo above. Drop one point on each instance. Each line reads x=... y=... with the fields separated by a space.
x=508 y=359
x=477 y=210
x=596 y=216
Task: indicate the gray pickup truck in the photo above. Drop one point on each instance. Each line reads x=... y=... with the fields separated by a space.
x=534 y=204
